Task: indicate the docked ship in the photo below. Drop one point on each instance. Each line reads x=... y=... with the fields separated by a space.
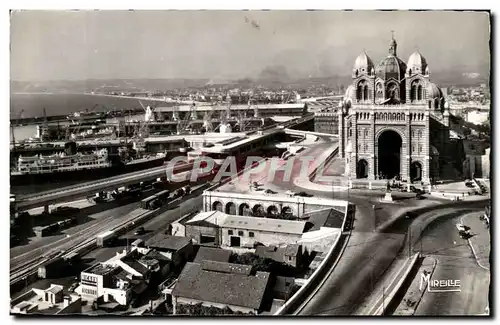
x=71 y=165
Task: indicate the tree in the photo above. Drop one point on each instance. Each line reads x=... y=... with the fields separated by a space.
x=263 y=264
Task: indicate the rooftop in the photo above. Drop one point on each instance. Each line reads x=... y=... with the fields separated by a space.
x=212 y=254
x=101 y=269
x=264 y=224
x=224 y=267
x=209 y=218
x=331 y=218
x=224 y=288
x=162 y=241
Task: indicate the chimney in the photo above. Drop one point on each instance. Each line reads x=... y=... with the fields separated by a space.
x=66 y=301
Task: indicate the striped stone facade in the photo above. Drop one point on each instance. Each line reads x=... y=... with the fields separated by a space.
x=365 y=126
x=326 y=122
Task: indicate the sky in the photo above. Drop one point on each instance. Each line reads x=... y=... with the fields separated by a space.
x=77 y=45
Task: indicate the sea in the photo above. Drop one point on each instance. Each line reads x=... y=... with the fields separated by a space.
x=32 y=104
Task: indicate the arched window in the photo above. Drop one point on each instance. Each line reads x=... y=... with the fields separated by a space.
x=409 y=72
x=413 y=93
x=429 y=104
x=362 y=90
x=419 y=93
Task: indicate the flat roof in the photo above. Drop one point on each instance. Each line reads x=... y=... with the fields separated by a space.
x=220 y=147
x=264 y=224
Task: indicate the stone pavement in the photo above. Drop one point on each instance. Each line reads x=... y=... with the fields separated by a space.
x=414 y=294
x=480 y=242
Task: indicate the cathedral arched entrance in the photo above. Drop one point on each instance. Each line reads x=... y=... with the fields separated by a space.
x=389 y=154
x=416 y=171
x=362 y=169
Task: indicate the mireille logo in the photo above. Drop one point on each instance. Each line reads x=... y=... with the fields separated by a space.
x=439 y=285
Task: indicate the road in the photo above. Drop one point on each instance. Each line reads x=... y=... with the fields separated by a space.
x=368 y=254
x=455 y=261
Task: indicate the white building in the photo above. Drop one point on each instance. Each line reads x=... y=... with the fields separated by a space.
x=116 y=279
x=49 y=302
x=241 y=231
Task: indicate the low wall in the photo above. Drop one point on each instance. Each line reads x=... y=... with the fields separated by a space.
x=323 y=164
x=391 y=295
x=303 y=293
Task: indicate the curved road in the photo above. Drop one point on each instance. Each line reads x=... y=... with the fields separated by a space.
x=367 y=256
x=455 y=260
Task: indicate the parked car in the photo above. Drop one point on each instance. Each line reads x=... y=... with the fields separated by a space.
x=463 y=230
x=268 y=191
x=140 y=231
x=304 y=194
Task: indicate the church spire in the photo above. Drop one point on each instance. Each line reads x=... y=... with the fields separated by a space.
x=394 y=46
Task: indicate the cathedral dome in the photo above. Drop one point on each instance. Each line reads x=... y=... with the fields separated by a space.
x=391 y=67
x=433 y=91
x=363 y=64
x=417 y=64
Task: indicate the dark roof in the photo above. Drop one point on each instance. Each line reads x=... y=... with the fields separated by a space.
x=139 y=287
x=162 y=241
x=224 y=288
x=157 y=255
x=136 y=266
x=212 y=254
x=324 y=218
x=224 y=267
x=122 y=275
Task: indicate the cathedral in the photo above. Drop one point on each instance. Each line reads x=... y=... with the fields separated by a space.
x=393 y=121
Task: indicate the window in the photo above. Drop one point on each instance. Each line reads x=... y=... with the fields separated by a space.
x=419 y=134
x=366 y=133
x=289 y=258
x=240 y=233
x=250 y=234
x=419 y=148
x=230 y=232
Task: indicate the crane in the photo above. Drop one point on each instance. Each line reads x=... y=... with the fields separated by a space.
x=185 y=122
x=207 y=121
